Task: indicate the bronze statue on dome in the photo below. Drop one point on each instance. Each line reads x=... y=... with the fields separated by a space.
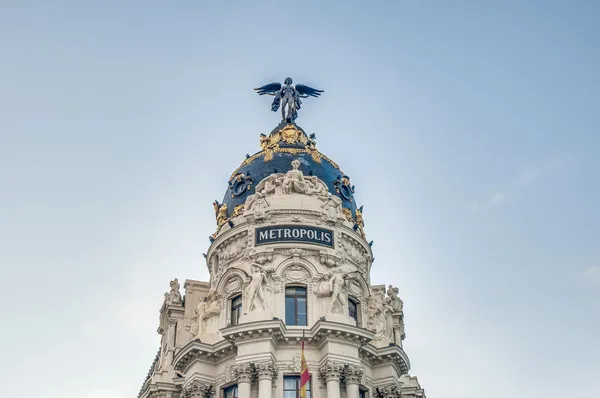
x=287 y=96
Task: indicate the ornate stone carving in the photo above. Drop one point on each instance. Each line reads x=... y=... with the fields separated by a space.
x=198 y=390
x=255 y=292
x=229 y=374
x=354 y=252
x=387 y=391
x=331 y=261
x=258 y=205
x=332 y=208
x=354 y=374
x=354 y=287
x=296 y=273
x=294 y=181
x=295 y=364
x=234 y=284
x=174 y=296
x=231 y=249
x=266 y=370
x=331 y=371
x=324 y=286
x=244 y=372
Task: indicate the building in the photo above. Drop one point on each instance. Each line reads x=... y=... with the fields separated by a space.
x=289 y=263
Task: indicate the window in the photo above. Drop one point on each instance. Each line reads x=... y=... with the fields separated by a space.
x=236 y=309
x=363 y=393
x=291 y=387
x=353 y=310
x=231 y=392
x=295 y=306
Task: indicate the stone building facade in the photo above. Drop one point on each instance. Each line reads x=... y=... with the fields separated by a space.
x=289 y=262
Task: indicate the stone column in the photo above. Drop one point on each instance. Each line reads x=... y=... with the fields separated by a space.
x=267 y=371
x=331 y=373
x=354 y=375
x=244 y=373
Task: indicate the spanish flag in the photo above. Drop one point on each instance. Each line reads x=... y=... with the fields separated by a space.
x=304 y=375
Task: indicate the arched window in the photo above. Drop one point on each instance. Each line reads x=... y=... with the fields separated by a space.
x=236 y=310
x=295 y=306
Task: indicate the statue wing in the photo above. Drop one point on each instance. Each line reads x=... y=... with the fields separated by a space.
x=305 y=91
x=270 y=89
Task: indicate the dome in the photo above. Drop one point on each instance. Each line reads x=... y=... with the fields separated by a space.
x=285 y=143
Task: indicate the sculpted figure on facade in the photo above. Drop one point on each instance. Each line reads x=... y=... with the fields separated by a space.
x=293 y=181
x=255 y=292
x=174 y=296
x=393 y=299
x=376 y=311
x=200 y=311
x=338 y=298
x=206 y=308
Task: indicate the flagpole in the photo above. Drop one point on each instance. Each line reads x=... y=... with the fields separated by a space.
x=304 y=374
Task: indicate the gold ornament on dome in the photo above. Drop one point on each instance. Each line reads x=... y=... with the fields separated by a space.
x=360 y=221
x=348 y=213
x=237 y=210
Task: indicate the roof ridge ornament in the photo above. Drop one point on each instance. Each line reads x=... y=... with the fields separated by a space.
x=287 y=96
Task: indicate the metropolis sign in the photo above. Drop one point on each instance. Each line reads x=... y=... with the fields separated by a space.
x=294 y=233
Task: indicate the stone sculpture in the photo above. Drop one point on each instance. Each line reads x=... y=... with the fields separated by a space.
x=174 y=297
x=393 y=299
x=338 y=299
x=376 y=311
x=292 y=182
x=255 y=292
x=206 y=308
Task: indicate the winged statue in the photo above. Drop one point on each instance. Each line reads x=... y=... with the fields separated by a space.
x=287 y=96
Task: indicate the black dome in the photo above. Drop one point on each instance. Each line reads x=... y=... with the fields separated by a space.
x=284 y=144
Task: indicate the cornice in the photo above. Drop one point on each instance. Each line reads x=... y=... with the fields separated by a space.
x=198 y=351
x=392 y=354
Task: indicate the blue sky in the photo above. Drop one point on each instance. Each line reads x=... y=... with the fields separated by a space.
x=470 y=130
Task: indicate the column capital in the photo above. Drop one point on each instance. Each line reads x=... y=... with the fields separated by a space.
x=388 y=391
x=354 y=374
x=266 y=370
x=197 y=390
x=331 y=371
x=244 y=372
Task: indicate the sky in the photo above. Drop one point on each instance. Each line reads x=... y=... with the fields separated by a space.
x=470 y=129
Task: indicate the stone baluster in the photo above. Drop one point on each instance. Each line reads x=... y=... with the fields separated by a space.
x=354 y=375
x=267 y=371
x=331 y=373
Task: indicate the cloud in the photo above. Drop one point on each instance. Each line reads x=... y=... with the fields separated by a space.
x=592 y=276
